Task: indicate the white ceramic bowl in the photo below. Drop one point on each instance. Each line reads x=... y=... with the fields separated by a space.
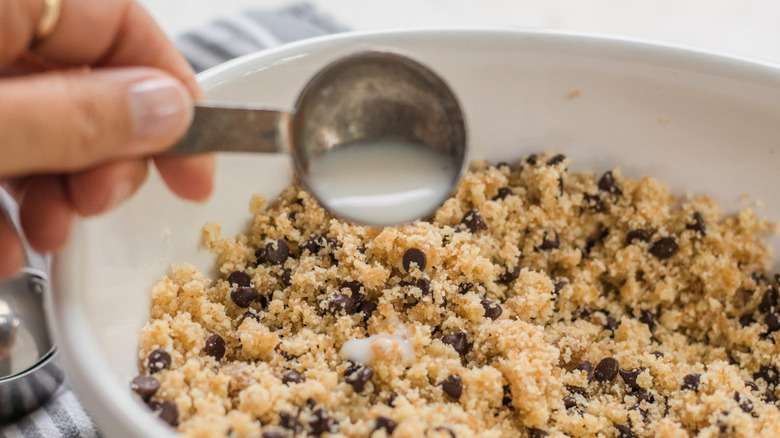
x=699 y=122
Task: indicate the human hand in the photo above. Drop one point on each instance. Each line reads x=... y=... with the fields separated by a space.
x=81 y=111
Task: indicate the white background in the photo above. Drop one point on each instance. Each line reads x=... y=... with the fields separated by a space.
x=748 y=28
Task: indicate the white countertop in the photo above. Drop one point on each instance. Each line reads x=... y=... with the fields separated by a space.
x=738 y=27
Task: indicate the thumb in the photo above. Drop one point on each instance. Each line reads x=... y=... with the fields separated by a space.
x=66 y=121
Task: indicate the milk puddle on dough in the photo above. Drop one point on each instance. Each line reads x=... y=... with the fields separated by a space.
x=382 y=183
x=378 y=348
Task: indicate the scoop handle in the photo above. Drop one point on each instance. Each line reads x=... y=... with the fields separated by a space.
x=234 y=129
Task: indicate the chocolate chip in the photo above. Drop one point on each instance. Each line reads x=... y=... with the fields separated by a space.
x=638 y=234
x=746 y=319
x=473 y=221
x=244 y=296
x=356 y=296
x=338 y=304
x=607 y=184
x=629 y=377
x=587 y=367
x=548 y=244
x=536 y=433
x=353 y=286
x=532 y=159
x=333 y=243
x=658 y=354
x=569 y=402
x=593 y=202
x=509 y=275
x=249 y=314
x=465 y=287
x=385 y=423
x=772 y=321
x=292 y=376
x=274 y=434
x=768 y=300
x=158 y=359
x=647 y=317
x=358 y=377
x=445 y=429
x=664 y=247
x=424 y=284
x=557 y=159
x=502 y=193
x=722 y=426
x=321 y=422
x=362 y=249
x=167 y=411
x=698 y=224
x=458 y=341
x=453 y=386
x=502 y=164
x=416 y=256
x=367 y=308
x=289 y=422
x=215 y=346
x=314 y=244
x=507 y=399
x=751 y=385
x=276 y=251
x=581 y=312
x=611 y=324
x=642 y=395
x=558 y=286
x=769 y=396
x=606 y=370
x=240 y=279
x=768 y=373
x=391 y=399
x=577 y=390
x=625 y=431
x=286 y=278
x=744 y=403
x=145 y=386
x=492 y=310
x=259 y=256
x=691 y=382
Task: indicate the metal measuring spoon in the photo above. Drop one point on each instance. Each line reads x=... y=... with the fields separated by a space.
x=376 y=137
x=29 y=374
x=9 y=328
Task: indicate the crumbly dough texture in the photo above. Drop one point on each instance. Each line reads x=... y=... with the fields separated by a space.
x=584 y=267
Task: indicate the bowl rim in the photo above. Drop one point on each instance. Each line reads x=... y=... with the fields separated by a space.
x=111 y=404
x=642 y=47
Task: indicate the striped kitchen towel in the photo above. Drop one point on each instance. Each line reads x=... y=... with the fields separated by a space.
x=246 y=32
x=250 y=31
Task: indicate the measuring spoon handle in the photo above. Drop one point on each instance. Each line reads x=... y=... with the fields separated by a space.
x=234 y=129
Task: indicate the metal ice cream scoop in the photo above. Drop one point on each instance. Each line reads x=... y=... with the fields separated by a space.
x=376 y=137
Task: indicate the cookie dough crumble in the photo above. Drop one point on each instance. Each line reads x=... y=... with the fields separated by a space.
x=536 y=302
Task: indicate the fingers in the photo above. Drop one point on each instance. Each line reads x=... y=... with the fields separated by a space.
x=18 y=19
x=45 y=213
x=95 y=33
x=12 y=254
x=53 y=123
x=97 y=190
x=189 y=177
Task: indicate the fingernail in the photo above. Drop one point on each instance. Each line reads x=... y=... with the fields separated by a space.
x=160 y=107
